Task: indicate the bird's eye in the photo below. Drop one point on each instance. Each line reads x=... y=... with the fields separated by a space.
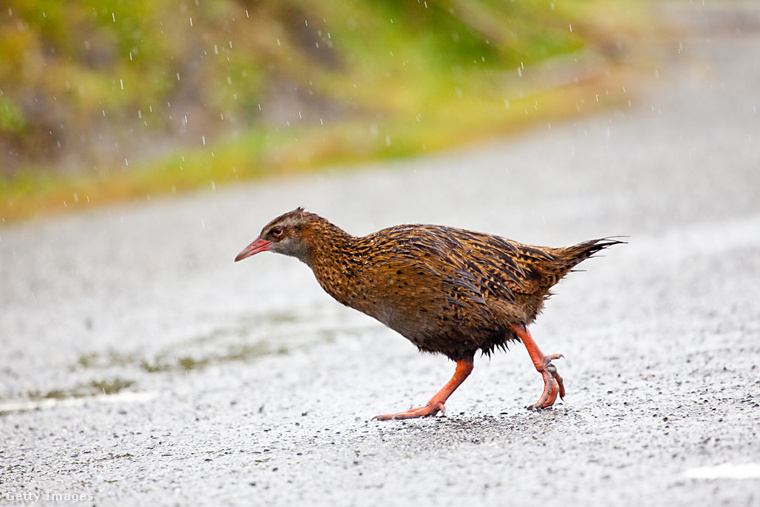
x=277 y=232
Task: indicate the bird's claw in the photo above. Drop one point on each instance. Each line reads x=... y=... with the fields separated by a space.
x=553 y=384
x=435 y=405
x=428 y=410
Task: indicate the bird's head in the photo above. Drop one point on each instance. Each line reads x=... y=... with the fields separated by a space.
x=283 y=235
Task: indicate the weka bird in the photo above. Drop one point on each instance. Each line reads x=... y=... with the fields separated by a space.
x=446 y=290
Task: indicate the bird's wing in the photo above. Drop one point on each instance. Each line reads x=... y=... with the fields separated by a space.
x=473 y=267
x=504 y=268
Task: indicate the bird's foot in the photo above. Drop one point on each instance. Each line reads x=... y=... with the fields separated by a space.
x=553 y=384
x=429 y=410
x=435 y=405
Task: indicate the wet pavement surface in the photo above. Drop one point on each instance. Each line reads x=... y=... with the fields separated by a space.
x=140 y=364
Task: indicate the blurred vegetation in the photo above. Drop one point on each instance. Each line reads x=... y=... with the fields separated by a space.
x=113 y=99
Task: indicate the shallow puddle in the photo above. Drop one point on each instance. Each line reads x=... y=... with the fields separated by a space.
x=245 y=340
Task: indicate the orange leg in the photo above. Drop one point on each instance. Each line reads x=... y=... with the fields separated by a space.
x=435 y=405
x=553 y=384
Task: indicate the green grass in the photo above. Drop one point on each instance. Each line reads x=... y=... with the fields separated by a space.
x=94 y=96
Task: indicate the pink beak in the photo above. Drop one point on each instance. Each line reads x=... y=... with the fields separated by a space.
x=258 y=245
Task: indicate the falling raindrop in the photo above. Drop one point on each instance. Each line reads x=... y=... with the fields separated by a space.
x=203 y=139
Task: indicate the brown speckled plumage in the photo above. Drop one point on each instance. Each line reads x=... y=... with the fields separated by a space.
x=447 y=290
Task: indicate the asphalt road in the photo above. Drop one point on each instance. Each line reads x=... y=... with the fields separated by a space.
x=139 y=365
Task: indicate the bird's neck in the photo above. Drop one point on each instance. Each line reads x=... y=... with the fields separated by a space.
x=328 y=244
x=332 y=259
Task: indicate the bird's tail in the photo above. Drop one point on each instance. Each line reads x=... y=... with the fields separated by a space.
x=565 y=259
x=571 y=256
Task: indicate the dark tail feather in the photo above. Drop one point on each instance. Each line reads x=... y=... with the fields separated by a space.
x=561 y=260
x=573 y=255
